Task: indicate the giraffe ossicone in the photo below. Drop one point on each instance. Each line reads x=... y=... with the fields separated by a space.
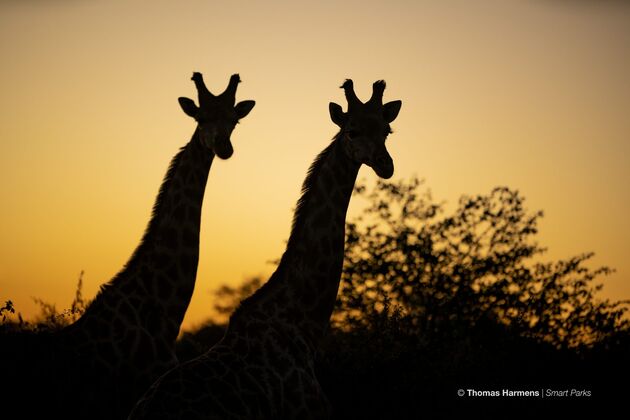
x=264 y=365
x=100 y=365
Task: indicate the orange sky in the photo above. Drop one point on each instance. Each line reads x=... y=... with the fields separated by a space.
x=529 y=94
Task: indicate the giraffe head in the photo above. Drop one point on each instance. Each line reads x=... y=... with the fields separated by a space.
x=216 y=116
x=365 y=126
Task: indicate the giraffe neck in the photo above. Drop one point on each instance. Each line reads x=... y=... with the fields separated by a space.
x=303 y=289
x=154 y=288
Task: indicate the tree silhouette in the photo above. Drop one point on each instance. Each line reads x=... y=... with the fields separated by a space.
x=444 y=274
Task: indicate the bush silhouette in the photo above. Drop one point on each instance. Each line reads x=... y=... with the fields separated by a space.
x=48 y=319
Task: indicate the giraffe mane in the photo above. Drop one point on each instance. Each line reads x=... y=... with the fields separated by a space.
x=311 y=175
x=166 y=182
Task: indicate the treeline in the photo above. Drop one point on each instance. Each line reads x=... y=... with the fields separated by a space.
x=431 y=303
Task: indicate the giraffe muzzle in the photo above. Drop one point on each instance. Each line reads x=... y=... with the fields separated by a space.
x=223 y=148
x=383 y=165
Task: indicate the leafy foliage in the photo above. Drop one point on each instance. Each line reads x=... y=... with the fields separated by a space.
x=445 y=274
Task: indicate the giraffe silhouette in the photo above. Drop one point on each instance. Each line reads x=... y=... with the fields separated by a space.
x=264 y=365
x=100 y=365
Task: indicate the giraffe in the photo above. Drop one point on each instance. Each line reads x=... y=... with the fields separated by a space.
x=263 y=367
x=126 y=338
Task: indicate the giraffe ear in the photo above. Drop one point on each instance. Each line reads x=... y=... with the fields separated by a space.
x=189 y=107
x=390 y=110
x=336 y=114
x=243 y=108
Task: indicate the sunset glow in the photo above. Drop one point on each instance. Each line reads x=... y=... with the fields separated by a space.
x=533 y=95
